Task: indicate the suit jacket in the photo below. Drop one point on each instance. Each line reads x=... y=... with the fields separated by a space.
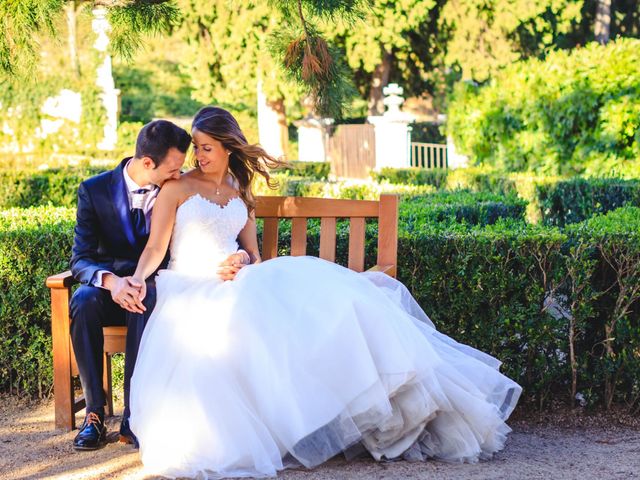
x=104 y=237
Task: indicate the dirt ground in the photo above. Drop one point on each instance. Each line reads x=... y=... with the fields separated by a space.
x=555 y=446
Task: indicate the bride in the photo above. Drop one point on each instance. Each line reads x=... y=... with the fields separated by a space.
x=296 y=359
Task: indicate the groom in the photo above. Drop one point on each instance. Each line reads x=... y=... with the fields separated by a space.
x=114 y=211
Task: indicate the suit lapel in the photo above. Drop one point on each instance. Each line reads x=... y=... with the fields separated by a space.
x=120 y=201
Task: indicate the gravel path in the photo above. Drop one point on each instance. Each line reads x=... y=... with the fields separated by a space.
x=559 y=446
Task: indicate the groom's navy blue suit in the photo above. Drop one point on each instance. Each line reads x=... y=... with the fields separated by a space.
x=105 y=239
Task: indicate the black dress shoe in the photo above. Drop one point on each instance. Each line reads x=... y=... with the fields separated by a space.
x=92 y=434
x=126 y=435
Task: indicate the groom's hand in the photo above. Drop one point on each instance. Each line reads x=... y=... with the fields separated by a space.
x=124 y=292
x=232 y=265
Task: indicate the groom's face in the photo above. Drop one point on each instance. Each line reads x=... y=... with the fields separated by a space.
x=169 y=168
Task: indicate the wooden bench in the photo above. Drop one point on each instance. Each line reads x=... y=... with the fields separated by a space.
x=270 y=209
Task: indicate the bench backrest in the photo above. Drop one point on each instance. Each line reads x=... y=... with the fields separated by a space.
x=299 y=209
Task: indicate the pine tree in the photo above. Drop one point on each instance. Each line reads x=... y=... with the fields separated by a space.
x=25 y=20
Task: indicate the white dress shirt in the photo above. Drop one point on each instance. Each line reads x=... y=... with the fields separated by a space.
x=146 y=201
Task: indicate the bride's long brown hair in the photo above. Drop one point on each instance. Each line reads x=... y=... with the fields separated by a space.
x=245 y=159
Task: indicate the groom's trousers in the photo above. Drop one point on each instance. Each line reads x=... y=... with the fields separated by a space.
x=92 y=308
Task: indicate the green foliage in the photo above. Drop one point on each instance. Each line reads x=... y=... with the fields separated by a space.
x=154 y=88
x=58 y=186
x=311 y=170
x=422 y=212
x=18 y=44
x=484 y=37
x=400 y=38
x=571 y=113
x=427 y=132
x=436 y=177
x=25 y=21
x=522 y=293
x=34 y=244
x=612 y=328
x=131 y=21
x=578 y=199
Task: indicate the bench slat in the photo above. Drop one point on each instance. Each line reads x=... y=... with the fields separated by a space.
x=270 y=238
x=328 y=238
x=356 y=244
x=298 y=236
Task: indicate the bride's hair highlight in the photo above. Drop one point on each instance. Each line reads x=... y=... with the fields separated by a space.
x=245 y=159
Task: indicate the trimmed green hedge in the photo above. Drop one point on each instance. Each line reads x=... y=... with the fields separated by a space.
x=578 y=199
x=436 y=177
x=30 y=188
x=34 y=243
x=472 y=208
x=527 y=294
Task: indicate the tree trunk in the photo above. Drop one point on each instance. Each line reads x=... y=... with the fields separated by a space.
x=278 y=107
x=379 y=80
x=602 y=28
x=72 y=24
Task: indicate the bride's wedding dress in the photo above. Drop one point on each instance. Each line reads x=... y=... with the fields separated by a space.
x=296 y=360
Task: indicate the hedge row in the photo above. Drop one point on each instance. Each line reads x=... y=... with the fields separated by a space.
x=578 y=199
x=559 y=308
x=553 y=200
x=30 y=188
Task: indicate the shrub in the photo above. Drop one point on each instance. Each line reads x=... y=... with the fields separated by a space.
x=573 y=112
x=607 y=322
x=58 y=186
x=34 y=243
x=311 y=170
x=578 y=199
x=559 y=308
x=436 y=177
x=459 y=207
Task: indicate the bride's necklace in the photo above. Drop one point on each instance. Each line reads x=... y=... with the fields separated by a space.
x=217 y=186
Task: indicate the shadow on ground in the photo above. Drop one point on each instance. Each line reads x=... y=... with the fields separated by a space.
x=540 y=447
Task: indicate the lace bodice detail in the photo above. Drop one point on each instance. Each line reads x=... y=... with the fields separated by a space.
x=204 y=234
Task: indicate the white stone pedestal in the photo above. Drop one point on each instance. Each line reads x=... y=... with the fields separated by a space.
x=393 y=131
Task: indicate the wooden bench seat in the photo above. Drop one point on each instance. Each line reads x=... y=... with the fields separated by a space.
x=271 y=210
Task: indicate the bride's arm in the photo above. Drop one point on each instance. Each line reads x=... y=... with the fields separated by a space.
x=248 y=238
x=164 y=214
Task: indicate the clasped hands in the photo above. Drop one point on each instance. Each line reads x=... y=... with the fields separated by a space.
x=129 y=292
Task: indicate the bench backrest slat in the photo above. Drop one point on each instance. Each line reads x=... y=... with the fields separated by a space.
x=300 y=209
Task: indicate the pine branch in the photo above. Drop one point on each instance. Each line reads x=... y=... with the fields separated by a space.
x=309 y=60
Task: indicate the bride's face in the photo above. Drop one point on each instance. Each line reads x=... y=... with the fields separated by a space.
x=210 y=153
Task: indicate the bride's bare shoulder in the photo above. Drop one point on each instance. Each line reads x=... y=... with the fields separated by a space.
x=176 y=190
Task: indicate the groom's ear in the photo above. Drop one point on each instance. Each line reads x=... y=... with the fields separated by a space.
x=148 y=163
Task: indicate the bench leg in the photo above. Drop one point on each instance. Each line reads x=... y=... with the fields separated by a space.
x=62 y=381
x=107 y=385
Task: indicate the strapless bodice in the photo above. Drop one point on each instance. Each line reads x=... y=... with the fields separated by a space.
x=204 y=234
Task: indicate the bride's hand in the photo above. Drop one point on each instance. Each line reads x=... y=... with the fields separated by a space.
x=141 y=285
x=232 y=265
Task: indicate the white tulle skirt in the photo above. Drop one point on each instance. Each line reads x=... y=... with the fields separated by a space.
x=297 y=360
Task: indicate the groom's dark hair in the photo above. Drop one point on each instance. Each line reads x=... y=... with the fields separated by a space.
x=157 y=137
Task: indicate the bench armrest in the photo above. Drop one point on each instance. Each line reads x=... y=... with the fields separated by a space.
x=61 y=280
x=388 y=269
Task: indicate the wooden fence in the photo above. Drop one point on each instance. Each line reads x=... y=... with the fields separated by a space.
x=351 y=149
x=429 y=155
